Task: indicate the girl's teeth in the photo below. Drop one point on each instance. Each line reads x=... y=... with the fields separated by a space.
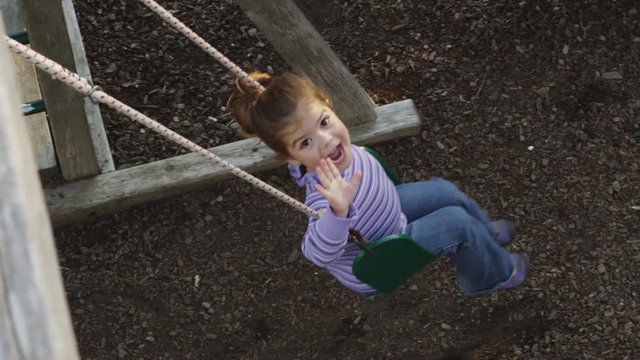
x=336 y=154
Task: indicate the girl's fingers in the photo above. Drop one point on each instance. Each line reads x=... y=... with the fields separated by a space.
x=333 y=168
x=327 y=166
x=322 y=175
x=326 y=170
x=322 y=191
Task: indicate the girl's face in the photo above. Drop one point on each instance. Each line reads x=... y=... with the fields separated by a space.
x=317 y=133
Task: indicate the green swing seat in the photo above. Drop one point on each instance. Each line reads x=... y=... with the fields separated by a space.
x=388 y=262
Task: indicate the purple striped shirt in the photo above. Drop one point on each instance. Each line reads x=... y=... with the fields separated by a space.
x=375 y=212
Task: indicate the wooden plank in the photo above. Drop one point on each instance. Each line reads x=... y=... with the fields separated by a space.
x=124 y=188
x=37 y=125
x=51 y=32
x=94 y=117
x=35 y=324
x=300 y=44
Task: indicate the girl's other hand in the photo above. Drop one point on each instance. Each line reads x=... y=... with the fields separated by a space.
x=335 y=189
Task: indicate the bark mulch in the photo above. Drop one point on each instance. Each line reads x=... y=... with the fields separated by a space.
x=529 y=106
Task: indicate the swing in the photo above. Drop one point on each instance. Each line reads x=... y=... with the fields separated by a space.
x=383 y=264
x=387 y=263
x=390 y=261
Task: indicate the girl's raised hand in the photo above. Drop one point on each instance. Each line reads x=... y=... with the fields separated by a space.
x=338 y=191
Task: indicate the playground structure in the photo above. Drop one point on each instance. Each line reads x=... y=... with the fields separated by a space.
x=97 y=189
x=83 y=155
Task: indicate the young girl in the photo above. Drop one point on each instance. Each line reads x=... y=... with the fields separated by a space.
x=295 y=118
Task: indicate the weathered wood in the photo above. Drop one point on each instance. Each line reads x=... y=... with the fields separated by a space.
x=94 y=117
x=75 y=122
x=12 y=16
x=298 y=42
x=124 y=188
x=35 y=323
x=37 y=126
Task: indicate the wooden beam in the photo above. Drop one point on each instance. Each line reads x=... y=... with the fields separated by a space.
x=75 y=122
x=108 y=193
x=37 y=126
x=302 y=47
x=35 y=323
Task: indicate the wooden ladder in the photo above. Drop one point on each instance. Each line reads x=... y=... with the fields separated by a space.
x=71 y=135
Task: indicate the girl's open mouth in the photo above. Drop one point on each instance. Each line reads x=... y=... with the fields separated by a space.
x=337 y=154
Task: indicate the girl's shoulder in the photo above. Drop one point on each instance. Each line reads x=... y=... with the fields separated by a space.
x=301 y=175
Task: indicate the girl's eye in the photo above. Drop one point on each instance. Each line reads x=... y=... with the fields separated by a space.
x=324 y=122
x=304 y=143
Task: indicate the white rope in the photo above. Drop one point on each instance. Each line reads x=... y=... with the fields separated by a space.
x=81 y=85
x=191 y=35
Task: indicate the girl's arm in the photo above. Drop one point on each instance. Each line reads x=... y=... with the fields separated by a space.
x=327 y=236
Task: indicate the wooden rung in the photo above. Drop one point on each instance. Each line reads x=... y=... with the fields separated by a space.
x=75 y=122
x=33 y=107
x=115 y=191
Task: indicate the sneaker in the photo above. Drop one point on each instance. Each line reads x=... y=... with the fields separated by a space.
x=503 y=231
x=520 y=271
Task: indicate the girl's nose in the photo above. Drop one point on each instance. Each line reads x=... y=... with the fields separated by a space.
x=325 y=138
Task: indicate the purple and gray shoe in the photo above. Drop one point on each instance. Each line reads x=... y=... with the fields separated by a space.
x=503 y=231
x=520 y=271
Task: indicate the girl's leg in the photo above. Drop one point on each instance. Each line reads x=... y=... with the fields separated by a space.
x=422 y=198
x=481 y=264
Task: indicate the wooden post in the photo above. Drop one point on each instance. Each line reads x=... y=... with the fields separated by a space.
x=75 y=122
x=35 y=323
x=37 y=126
x=300 y=44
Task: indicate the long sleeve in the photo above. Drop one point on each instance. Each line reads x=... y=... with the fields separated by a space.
x=326 y=237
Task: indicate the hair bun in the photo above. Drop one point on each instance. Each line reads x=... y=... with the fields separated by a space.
x=248 y=88
x=244 y=98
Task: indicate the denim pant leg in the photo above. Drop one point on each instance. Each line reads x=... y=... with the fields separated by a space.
x=447 y=222
x=424 y=197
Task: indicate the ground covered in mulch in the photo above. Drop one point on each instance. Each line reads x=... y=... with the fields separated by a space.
x=529 y=106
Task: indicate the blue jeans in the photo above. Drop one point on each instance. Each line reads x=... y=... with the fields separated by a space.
x=445 y=221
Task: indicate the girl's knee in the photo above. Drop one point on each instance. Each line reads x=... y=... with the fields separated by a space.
x=458 y=224
x=455 y=215
x=447 y=187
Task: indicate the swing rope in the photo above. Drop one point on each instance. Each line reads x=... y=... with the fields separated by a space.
x=81 y=85
x=204 y=45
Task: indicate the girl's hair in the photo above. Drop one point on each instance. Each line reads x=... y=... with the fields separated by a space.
x=265 y=114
